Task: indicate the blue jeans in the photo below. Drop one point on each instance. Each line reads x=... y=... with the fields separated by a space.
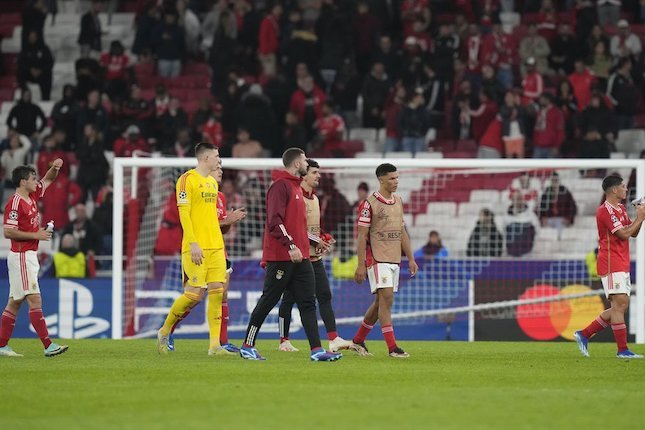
x=414 y=144
x=391 y=144
x=168 y=68
x=545 y=152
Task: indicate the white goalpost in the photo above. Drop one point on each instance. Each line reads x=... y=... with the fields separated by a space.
x=474 y=295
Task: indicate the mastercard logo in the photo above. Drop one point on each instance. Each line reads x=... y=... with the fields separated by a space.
x=547 y=321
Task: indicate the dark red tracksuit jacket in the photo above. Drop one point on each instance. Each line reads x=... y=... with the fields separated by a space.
x=286 y=218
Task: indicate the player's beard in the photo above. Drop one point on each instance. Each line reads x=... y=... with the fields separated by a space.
x=302 y=171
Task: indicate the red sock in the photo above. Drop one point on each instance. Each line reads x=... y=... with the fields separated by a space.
x=362 y=332
x=596 y=325
x=284 y=339
x=620 y=334
x=38 y=321
x=6 y=327
x=332 y=335
x=388 y=334
x=223 y=333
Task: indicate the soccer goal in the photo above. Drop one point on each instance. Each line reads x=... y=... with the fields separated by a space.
x=515 y=257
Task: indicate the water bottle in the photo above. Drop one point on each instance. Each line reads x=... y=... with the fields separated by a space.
x=50 y=226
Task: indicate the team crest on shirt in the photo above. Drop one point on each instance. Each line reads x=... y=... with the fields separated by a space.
x=279 y=274
x=13 y=215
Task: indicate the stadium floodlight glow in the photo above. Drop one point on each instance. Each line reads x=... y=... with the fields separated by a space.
x=420 y=178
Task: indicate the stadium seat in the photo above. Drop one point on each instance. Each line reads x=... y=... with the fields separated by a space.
x=485 y=196
x=369 y=154
x=430 y=154
x=630 y=141
x=441 y=209
x=618 y=155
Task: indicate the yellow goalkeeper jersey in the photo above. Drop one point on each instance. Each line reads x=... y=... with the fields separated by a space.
x=197 y=204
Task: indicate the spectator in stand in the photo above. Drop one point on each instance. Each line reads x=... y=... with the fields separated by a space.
x=93 y=166
x=598 y=117
x=491 y=144
x=334 y=205
x=203 y=113
x=600 y=63
x=593 y=145
x=138 y=111
x=362 y=192
x=88 y=77
x=64 y=116
x=27 y=117
x=103 y=218
x=491 y=84
x=532 y=84
x=498 y=53
x=245 y=147
x=445 y=49
x=391 y=58
x=331 y=130
x=481 y=117
x=89 y=38
x=171 y=121
x=295 y=135
x=46 y=156
x=61 y=196
x=116 y=63
x=269 y=39
x=608 y=12
x=414 y=123
x=34 y=15
x=189 y=22
x=170 y=232
x=93 y=113
x=392 y=113
x=146 y=23
x=411 y=10
x=596 y=35
x=131 y=143
x=14 y=155
x=365 y=28
x=547 y=21
x=625 y=44
x=557 y=207
x=35 y=64
x=548 y=134
x=566 y=101
x=69 y=261
x=520 y=226
x=581 y=81
x=256 y=115
x=514 y=131
x=161 y=101
x=623 y=94
x=434 y=93
x=306 y=103
x=527 y=187
x=184 y=146
x=375 y=91
x=212 y=131
x=169 y=45
x=474 y=52
x=465 y=98
x=485 y=240
x=86 y=233
x=535 y=48
x=432 y=249
x=563 y=51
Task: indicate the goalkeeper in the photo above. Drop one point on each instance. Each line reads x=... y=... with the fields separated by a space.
x=203 y=258
x=323 y=293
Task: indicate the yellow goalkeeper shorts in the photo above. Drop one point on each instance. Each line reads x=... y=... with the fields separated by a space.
x=212 y=269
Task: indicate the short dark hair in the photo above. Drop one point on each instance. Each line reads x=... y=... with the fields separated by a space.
x=313 y=164
x=611 y=181
x=384 y=169
x=202 y=147
x=291 y=155
x=363 y=186
x=20 y=173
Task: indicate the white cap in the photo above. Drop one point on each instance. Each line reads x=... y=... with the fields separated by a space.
x=623 y=23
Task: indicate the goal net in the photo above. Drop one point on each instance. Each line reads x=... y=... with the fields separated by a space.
x=506 y=248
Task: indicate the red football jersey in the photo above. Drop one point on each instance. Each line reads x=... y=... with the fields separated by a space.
x=613 y=252
x=221 y=206
x=23 y=215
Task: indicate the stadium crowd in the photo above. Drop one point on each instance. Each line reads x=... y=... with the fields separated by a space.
x=256 y=77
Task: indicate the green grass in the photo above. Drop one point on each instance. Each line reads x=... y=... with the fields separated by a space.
x=444 y=385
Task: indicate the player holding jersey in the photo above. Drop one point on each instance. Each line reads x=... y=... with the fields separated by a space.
x=381 y=238
x=22 y=226
x=202 y=250
x=614 y=230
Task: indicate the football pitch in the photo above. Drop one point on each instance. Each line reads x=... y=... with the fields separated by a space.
x=106 y=384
